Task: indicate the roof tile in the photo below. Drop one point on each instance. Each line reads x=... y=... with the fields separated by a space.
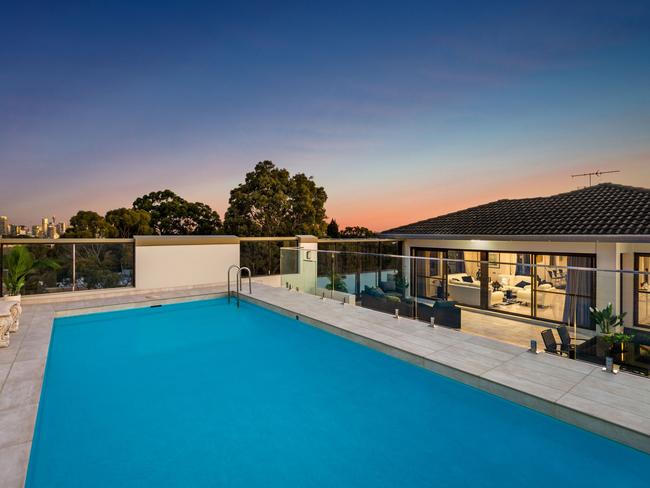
x=604 y=209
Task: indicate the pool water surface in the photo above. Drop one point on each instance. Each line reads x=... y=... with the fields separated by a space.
x=205 y=394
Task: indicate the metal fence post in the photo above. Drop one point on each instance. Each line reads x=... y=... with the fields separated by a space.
x=74 y=267
x=2 y=269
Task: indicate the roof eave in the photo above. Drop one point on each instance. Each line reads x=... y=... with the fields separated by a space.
x=642 y=238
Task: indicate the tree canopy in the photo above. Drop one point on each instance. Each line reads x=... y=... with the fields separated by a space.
x=271 y=202
x=357 y=232
x=333 y=229
x=129 y=222
x=173 y=215
x=89 y=224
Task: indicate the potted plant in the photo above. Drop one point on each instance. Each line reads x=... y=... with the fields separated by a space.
x=338 y=285
x=20 y=264
x=401 y=283
x=611 y=337
x=617 y=342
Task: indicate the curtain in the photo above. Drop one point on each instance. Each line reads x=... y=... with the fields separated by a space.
x=523 y=265
x=579 y=289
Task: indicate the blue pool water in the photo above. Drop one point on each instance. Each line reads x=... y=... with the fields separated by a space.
x=202 y=394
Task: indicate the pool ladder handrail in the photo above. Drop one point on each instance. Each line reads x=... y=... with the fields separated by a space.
x=238 y=284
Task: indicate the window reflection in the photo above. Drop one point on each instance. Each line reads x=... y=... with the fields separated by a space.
x=643 y=289
x=511 y=282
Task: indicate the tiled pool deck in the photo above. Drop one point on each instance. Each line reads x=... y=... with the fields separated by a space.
x=617 y=406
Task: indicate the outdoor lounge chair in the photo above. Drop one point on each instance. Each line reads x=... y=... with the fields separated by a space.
x=568 y=344
x=550 y=344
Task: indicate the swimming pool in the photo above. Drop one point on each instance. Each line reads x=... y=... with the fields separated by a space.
x=205 y=394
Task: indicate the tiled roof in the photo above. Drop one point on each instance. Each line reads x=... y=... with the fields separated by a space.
x=604 y=209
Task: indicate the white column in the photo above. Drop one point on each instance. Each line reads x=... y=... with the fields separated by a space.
x=607 y=282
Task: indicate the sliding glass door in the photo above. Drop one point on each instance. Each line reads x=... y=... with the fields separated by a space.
x=428 y=274
x=511 y=287
x=553 y=287
x=642 y=290
x=565 y=288
x=464 y=277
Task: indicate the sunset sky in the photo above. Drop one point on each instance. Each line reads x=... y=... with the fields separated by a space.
x=401 y=110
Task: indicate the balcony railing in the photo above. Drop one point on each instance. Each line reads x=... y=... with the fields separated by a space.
x=262 y=254
x=82 y=264
x=527 y=304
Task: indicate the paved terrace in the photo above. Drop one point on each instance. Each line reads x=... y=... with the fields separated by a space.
x=617 y=406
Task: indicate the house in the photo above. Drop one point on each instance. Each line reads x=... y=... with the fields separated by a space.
x=546 y=258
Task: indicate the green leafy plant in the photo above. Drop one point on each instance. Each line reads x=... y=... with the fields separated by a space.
x=610 y=326
x=401 y=283
x=20 y=263
x=608 y=322
x=339 y=284
x=618 y=338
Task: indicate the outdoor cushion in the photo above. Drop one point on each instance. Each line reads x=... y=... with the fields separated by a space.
x=387 y=285
x=522 y=284
x=373 y=292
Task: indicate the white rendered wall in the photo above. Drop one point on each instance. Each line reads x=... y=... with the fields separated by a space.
x=607 y=283
x=170 y=266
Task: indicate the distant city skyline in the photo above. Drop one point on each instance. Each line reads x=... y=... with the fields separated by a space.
x=402 y=112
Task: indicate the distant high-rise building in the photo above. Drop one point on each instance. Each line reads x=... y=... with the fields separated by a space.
x=4 y=225
x=60 y=228
x=18 y=230
x=37 y=231
x=51 y=232
x=44 y=223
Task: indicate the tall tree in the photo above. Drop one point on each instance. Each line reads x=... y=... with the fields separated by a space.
x=307 y=206
x=89 y=224
x=173 y=215
x=333 y=229
x=271 y=202
x=129 y=222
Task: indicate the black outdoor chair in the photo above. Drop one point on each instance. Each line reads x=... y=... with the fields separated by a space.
x=565 y=338
x=568 y=344
x=549 y=342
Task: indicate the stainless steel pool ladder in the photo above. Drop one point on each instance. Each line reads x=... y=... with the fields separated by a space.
x=238 y=285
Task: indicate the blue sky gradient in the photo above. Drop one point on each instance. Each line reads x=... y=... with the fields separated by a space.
x=402 y=111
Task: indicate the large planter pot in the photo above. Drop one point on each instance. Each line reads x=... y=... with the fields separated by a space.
x=618 y=352
x=16 y=310
x=603 y=348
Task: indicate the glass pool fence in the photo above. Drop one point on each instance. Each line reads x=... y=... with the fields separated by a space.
x=535 y=301
x=58 y=265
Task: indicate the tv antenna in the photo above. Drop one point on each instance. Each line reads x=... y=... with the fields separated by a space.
x=595 y=173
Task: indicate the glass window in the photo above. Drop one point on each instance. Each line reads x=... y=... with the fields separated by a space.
x=464 y=277
x=427 y=275
x=643 y=289
x=564 y=292
x=510 y=285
